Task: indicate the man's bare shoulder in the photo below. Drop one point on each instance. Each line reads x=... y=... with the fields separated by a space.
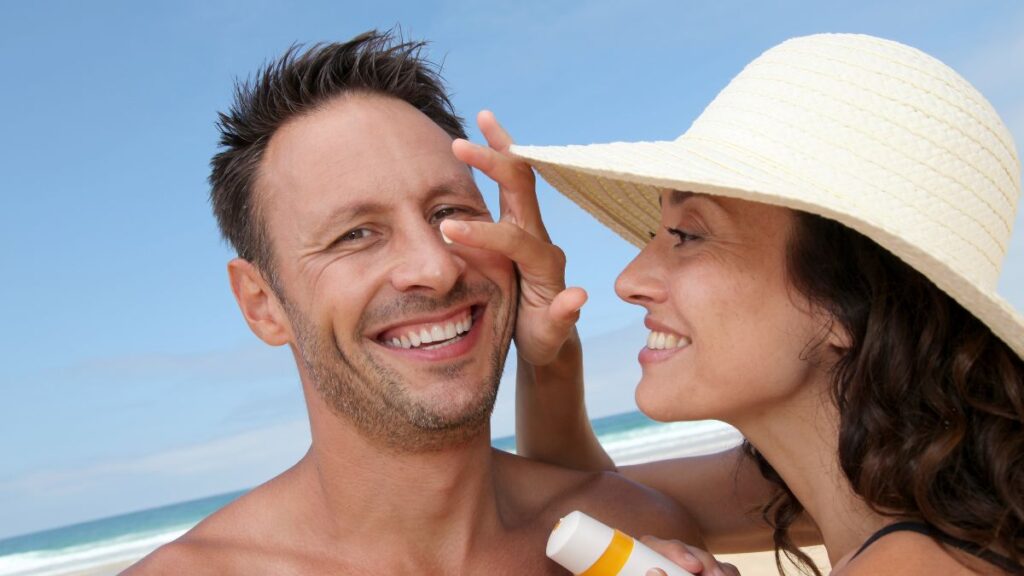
x=607 y=496
x=185 y=555
x=227 y=540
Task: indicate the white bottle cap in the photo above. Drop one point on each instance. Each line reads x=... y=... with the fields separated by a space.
x=583 y=545
x=578 y=541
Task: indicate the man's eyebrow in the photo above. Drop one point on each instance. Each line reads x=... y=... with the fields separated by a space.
x=354 y=211
x=346 y=212
x=457 y=186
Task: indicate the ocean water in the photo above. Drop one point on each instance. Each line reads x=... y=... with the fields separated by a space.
x=629 y=437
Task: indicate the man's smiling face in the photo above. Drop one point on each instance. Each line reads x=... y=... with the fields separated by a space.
x=400 y=332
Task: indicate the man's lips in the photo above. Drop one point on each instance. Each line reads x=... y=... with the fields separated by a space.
x=406 y=347
x=429 y=330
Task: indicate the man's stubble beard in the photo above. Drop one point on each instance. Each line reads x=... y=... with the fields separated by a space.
x=377 y=399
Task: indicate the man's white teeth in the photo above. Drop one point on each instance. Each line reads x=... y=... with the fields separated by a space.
x=436 y=333
x=664 y=341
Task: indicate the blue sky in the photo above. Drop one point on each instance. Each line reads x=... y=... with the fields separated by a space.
x=129 y=379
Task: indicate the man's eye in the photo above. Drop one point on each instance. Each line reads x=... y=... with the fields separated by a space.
x=446 y=212
x=353 y=235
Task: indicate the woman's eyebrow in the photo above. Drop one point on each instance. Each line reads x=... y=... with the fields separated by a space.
x=677 y=197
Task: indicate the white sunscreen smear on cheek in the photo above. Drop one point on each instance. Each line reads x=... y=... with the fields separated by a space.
x=587 y=547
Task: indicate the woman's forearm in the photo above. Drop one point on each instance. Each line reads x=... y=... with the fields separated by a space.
x=551 y=416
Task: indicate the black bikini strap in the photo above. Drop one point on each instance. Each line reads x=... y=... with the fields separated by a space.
x=906 y=526
x=928 y=530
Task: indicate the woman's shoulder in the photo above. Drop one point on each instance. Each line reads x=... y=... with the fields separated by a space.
x=911 y=553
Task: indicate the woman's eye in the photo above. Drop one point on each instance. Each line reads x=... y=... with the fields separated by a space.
x=682 y=235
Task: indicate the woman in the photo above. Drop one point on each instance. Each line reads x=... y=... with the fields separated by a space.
x=821 y=274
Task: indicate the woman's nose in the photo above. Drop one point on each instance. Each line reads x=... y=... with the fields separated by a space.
x=641 y=281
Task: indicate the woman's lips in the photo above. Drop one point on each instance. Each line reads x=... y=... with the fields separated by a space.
x=662 y=345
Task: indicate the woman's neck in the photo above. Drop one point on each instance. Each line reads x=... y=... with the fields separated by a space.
x=799 y=439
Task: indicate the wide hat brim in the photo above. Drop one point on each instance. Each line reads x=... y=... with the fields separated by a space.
x=620 y=183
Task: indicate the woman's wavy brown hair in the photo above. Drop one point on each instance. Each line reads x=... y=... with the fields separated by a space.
x=931 y=403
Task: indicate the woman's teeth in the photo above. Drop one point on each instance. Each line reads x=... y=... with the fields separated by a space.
x=441 y=333
x=664 y=341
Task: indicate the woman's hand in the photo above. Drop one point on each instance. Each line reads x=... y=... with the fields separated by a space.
x=547 y=310
x=689 y=558
x=551 y=419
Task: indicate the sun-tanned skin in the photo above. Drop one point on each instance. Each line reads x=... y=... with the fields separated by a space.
x=279 y=529
x=400 y=477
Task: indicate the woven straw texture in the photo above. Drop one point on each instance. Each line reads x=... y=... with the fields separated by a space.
x=872 y=133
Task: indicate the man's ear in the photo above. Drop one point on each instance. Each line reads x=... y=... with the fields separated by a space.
x=259 y=303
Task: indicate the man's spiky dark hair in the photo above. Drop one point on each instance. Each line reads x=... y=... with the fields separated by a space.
x=299 y=82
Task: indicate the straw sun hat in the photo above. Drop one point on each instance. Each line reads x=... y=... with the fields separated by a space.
x=874 y=134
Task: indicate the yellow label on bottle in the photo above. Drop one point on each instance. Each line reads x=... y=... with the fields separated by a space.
x=613 y=558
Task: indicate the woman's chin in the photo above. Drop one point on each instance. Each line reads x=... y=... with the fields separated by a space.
x=684 y=398
x=652 y=400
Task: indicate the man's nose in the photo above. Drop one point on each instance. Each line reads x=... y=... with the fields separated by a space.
x=425 y=261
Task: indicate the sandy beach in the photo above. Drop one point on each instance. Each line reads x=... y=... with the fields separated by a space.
x=763 y=563
x=674 y=441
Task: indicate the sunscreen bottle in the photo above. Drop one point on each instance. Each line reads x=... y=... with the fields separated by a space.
x=587 y=547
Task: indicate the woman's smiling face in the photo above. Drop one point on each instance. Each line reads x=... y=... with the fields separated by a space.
x=730 y=336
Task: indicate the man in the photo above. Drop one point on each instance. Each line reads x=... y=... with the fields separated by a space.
x=336 y=171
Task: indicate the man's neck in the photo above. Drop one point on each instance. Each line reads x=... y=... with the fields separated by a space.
x=434 y=506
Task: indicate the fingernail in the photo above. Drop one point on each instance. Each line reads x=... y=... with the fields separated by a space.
x=452 y=225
